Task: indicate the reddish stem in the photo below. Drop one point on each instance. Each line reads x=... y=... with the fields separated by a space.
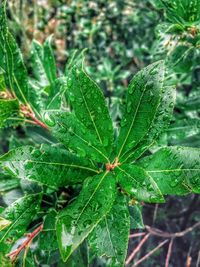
x=14 y=254
x=27 y=111
x=135 y=251
x=38 y=122
x=169 y=252
x=136 y=235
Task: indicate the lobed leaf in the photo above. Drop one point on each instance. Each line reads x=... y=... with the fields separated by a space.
x=77 y=220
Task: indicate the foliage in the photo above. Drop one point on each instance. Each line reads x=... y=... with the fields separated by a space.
x=79 y=173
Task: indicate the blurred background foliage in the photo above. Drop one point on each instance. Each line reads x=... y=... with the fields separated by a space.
x=121 y=37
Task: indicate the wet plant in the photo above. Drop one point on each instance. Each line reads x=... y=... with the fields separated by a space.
x=91 y=174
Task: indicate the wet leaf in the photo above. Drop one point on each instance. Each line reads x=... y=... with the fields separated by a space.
x=47 y=238
x=176 y=170
x=43 y=61
x=7 y=183
x=47 y=165
x=143 y=99
x=15 y=73
x=138 y=183
x=9 y=109
x=136 y=217
x=20 y=213
x=74 y=135
x=159 y=124
x=89 y=105
x=110 y=237
x=57 y=90
x=4 y=223
x=77 y=220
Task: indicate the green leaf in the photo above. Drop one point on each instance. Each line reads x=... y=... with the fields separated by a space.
x=176 y=170
x=159 y=124
x=12 y=63
x=183 y=11
x=182 y=58
x=8 y=110
x=20 y=213
x=143 y=99
x=74 y=135
x=4 y=223
x=48 y=165
x=77 y=220
x=138 y=183
x=37 y=55
x=89 y=105
x=136 y=217
x=49 y=60
x=47 y=238
x=57 y=91
x=43 y=61
x=110 y=237
x=7 y=183
x=2 y=80
x=182 y=129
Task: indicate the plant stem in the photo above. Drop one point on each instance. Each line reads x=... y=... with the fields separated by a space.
x=26 y=244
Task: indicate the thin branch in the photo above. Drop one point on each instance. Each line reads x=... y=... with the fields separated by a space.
x=157 y=232
x=135 y=251
x=150 y=253
x=155 y=213
x=136 y=235
x=198 y=260
x=169 y=252
x=25 y=245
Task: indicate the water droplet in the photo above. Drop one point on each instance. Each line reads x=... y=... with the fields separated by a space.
x=49 y=120
x=129 y=107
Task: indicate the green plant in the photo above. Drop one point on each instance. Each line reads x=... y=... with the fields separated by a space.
x=90 y=173
x=179 y=36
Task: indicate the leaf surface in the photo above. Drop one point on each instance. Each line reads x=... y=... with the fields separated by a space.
x=48 y=165
x=4 y=223
x=138 y=183
x=16 y=76
x=143 y=99
x=89 y=105
x=8 y=110
x=136 y=216
x=110 y=237
x=77 y=220
x=20 y=213
x=159 y=124
x=47 y=238
x=43 y=61
x=176 y=170
x=74 y=135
